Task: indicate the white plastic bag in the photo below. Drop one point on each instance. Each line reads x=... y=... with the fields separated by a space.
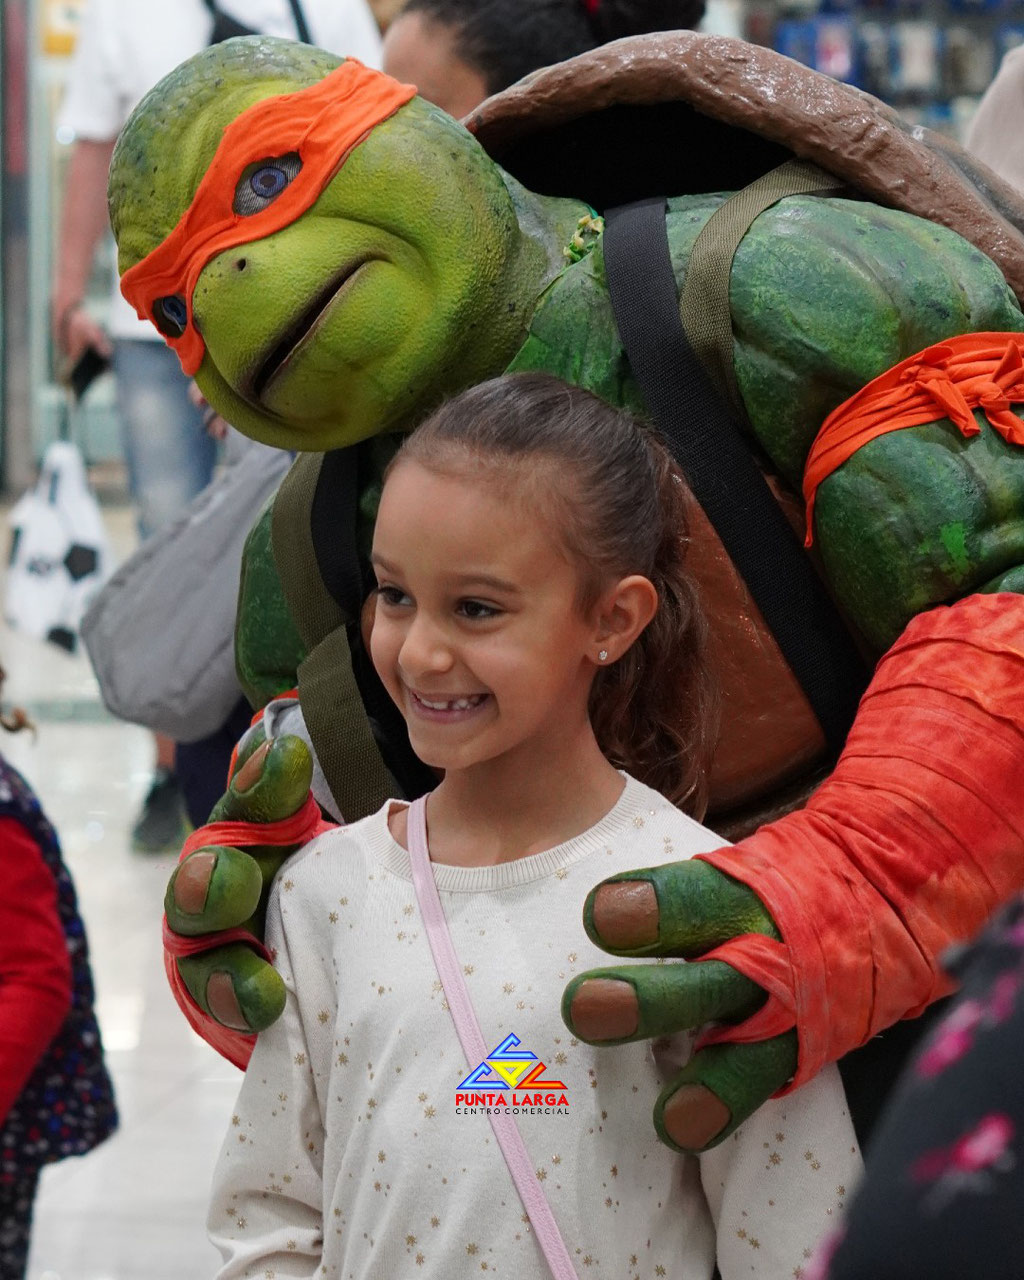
x=60 y=555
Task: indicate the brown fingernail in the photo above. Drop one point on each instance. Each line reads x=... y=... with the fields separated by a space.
x=604 y=1009
x=223 y=1003
x=250 y=772
x=626 y=914
x=694 y=1115
x=192 y=883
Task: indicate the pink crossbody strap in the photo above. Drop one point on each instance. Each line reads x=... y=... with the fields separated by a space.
x=510 y=1140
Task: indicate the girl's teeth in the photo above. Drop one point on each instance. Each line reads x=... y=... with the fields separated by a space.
x=459 y=704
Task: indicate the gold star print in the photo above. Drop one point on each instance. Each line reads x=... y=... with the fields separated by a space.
x=467 y=969
x=742 y=1234
x=289 y=885
x=615 y=1170
x=798 y=1273
x=300 y=1059
x=607 y=1202
x=556 y=1159
x=342 y=1059
x=780 y=1137
x=241 y=1224
x=376 y=1186
x=372 y=1103
x=638 y=821
x=429 y=1112
x=235 y=1120
x=435 y=1221
x=333 y=917
x=407 y=911
x=632 y=1259
x=423 y=1097
x=268 y=1274
x=420 y=1259
x=400 y=935
x=542 y=1175
x=410 y=1241
x=775 y=1158
x=571 y=957
x=292 y=1244
x=840 y=1191
x=755 y=1243
x=508 y=988
x=588 y=1261
x=560 y=1057
x=323 y=1016
x=659 y=1270
x=381 y=1158
x=561 y=873
x=471 y=1249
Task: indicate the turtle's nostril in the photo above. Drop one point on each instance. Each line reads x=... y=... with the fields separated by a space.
x=240 y=264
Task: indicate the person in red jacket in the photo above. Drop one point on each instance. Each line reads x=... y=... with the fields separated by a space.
x=56 y=1098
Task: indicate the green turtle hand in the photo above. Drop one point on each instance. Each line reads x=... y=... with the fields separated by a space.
x=681 y=910
x=220 y=887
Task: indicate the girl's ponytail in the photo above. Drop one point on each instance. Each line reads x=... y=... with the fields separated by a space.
x=655 y=712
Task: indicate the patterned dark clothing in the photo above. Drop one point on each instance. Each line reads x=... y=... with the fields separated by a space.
x=943 y=1192
x=67 y=1105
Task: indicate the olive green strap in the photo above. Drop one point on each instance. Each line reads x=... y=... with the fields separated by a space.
x=313 y=608
x=332 y=705
x=704 y=303
x=341 y=735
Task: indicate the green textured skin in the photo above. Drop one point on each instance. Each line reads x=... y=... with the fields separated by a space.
x=741 y=1080
x=726 y=908
x=268 y=647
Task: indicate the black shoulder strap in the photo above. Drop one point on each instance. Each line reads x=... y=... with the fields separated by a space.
x=237 y=28
x=302 y=30
x=725 y=479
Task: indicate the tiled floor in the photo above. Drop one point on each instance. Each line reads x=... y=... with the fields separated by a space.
x=135 y=1208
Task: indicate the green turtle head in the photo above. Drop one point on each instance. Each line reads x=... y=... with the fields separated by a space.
x=408 y=277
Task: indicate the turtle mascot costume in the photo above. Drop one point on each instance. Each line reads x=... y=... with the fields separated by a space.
x=819 y=308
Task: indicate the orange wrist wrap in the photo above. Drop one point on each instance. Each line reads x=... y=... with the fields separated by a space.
x=302 y=826
x=910 y=844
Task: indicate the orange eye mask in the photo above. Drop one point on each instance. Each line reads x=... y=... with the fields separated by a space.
x=322 y=124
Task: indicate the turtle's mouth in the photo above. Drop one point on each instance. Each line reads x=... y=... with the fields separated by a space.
x=304 y=324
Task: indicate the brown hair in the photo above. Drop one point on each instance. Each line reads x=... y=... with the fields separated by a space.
x=618 y=502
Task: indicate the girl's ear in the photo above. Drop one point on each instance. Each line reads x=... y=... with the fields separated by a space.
x=622 y=613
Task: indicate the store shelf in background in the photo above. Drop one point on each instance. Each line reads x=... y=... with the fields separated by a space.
x=930 y=59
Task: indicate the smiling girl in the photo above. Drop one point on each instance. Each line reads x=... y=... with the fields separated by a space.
x=536 y=627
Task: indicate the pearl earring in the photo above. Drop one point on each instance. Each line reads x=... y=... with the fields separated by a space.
x=602 y=655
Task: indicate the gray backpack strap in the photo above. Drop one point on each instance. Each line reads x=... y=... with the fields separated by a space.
x=704 y=301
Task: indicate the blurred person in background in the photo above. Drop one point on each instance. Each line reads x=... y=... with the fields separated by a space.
x=458 y=52
x=56 y=1098
x=123 y=49
x=994 y=133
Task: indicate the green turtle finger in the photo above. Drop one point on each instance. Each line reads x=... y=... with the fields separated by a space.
x=216 y=887
x=235 y=986
x=679 y=909
x=272 y=784
x=636 y=1002
x=719 y=1088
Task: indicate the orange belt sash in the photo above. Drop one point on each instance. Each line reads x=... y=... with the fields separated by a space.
x=973 y=371
x=322 y=123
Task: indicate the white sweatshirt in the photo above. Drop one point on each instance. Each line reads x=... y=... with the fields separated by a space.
x=347 y=1155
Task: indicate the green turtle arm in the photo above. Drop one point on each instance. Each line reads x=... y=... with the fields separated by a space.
x=268 y=647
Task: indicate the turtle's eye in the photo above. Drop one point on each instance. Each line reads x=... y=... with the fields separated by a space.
x=170 y=315
x=262 y=182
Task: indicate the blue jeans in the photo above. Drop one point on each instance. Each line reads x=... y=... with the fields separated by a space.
x=169 y=455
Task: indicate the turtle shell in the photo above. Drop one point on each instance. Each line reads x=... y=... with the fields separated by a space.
x=681 y=112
